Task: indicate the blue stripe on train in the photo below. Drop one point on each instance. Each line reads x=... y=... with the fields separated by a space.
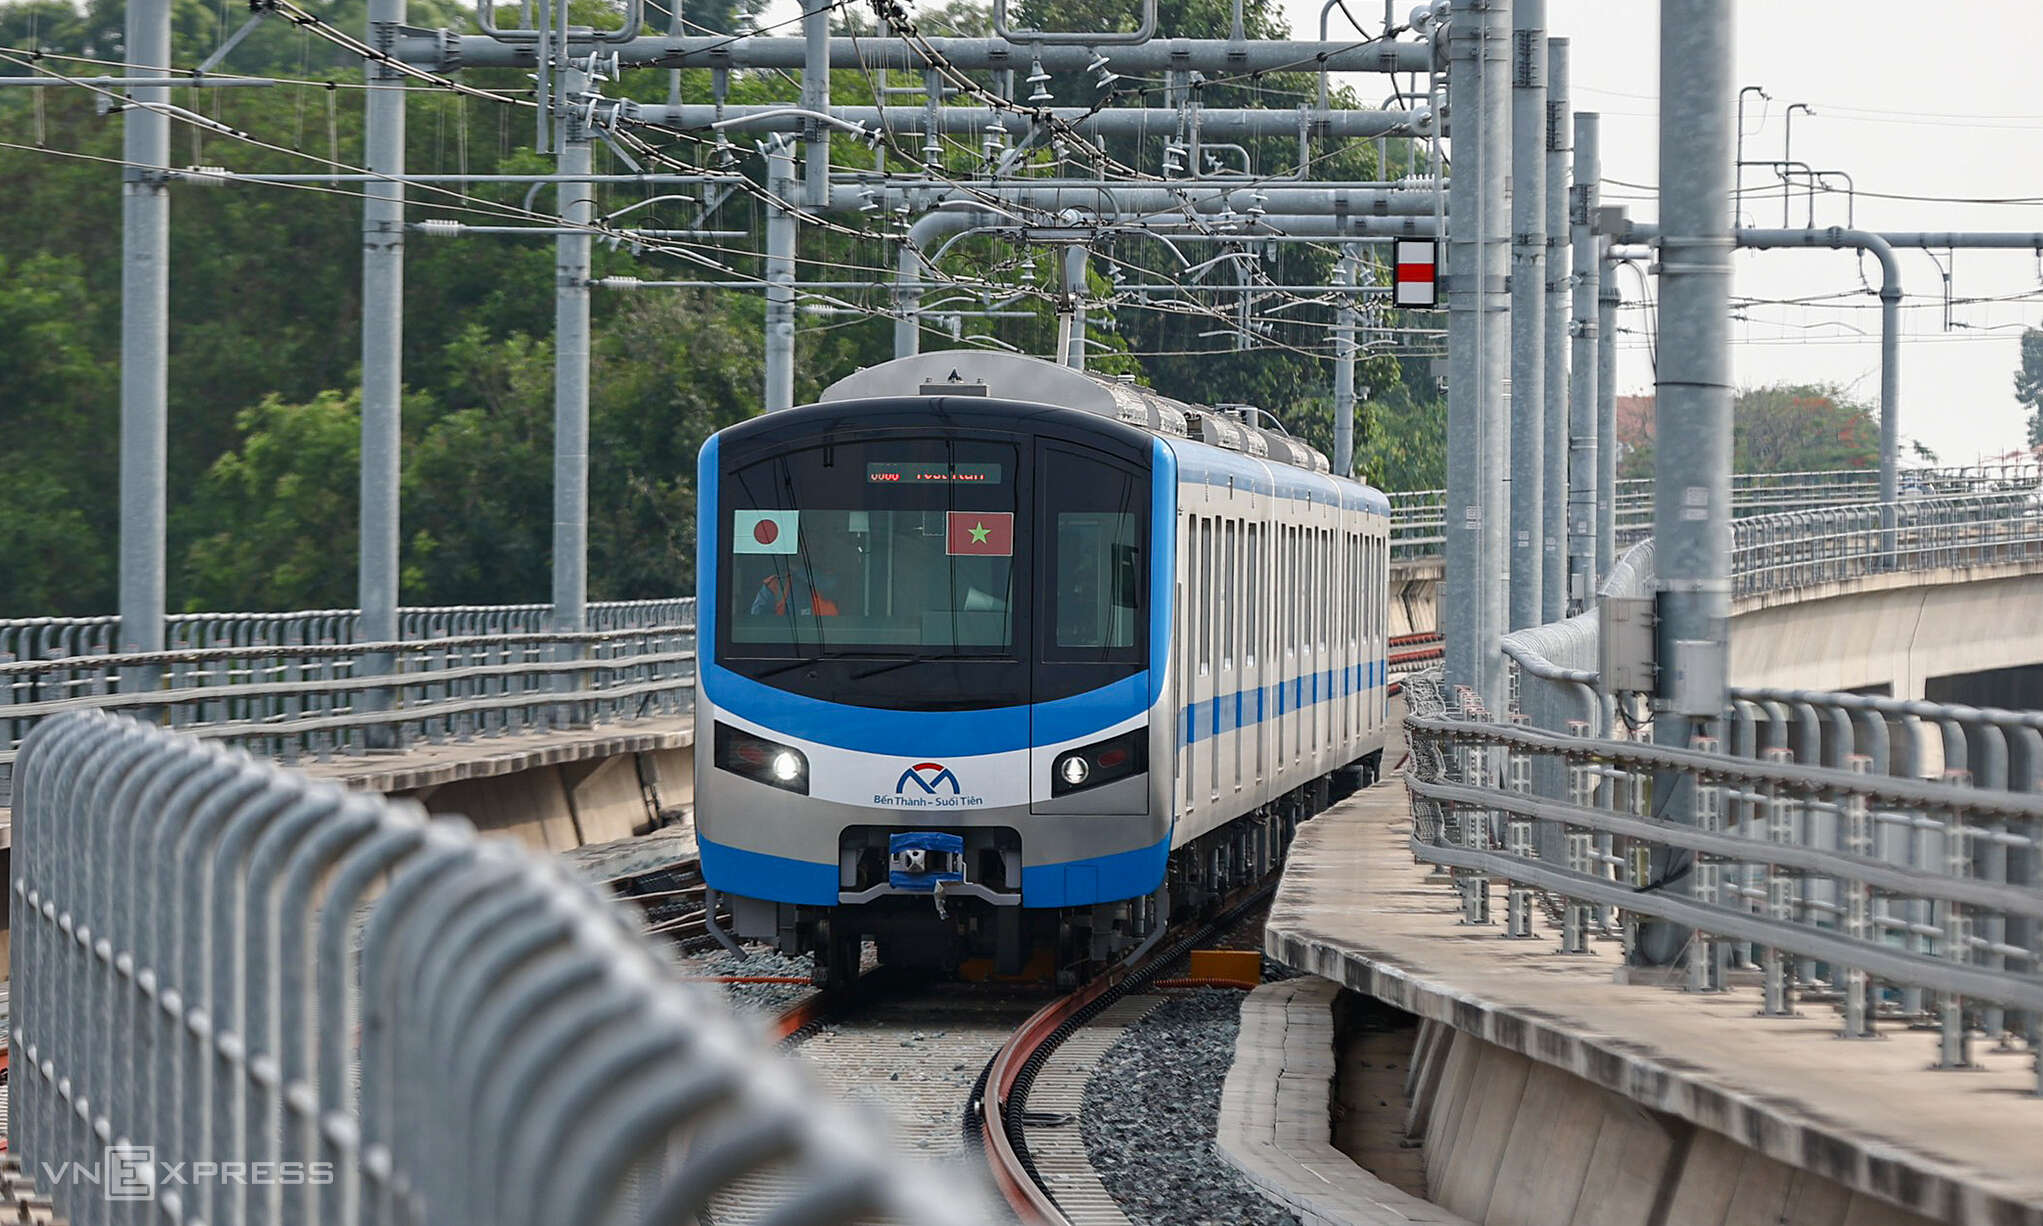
x=1071 y=883
x=1247 y=707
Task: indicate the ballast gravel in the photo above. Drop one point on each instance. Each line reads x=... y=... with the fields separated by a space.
x=1152 y=1108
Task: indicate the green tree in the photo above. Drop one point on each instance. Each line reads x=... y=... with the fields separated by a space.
x=59 y=415
x=1802 y=428
x=282 y=510
x=2029 y=382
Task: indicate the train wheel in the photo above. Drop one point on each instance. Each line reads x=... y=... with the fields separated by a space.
x=839 y=954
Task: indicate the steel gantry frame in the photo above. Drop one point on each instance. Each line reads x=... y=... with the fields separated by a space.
x=1507 y=285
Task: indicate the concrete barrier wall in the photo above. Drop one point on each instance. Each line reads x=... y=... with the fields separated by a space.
x=566 y=805
x=1513 y=1142
x=1884 y=631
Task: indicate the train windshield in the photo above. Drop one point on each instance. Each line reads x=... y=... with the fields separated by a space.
x=896 y=546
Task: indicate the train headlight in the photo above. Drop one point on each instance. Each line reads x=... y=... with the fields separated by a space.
x=761 y=760
x=1101 y=763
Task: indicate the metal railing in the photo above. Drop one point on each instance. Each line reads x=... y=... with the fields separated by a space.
x=1418 y=517
x=49 y=638
x=1843 y=842
x=1802 y=549
x=249 y=997
x=316 y=701
x=1900 y=899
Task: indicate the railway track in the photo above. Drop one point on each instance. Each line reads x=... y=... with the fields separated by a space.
x=1008 y=1061
x=1038 y=1164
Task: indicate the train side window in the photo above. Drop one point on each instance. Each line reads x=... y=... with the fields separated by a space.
x=1228 y=603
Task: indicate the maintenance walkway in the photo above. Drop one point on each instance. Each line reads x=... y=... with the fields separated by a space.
x=1534 y=1067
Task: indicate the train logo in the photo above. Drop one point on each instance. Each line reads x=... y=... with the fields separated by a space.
x=942 y=774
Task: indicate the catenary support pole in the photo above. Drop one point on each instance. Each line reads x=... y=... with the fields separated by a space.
x=1528 y=308
x=780 y=277
x=1494 y=334
x=376 y=573
x=1553 y=485
x=1608 y=300
x=1692 y=426
x=816 y=99
x=145 y=329
x=1890 y=332
x=1344 y=366
x=1463 y=612
x=1584 y=472
x=571 y=374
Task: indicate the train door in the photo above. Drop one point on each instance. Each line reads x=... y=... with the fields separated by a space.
x=1091 y=608
x=1252 y=656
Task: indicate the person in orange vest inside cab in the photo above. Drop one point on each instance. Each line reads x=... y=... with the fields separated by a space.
x=811 y=594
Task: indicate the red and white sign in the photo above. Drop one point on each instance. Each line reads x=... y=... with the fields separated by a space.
x=765 y=531
x=1418 y=273
x=981 y=533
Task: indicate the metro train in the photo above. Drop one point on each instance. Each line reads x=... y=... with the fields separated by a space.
x=998 y=656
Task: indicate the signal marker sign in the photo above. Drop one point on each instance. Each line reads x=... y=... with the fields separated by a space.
x=1417 y=284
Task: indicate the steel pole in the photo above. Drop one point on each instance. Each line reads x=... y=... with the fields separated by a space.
x=571 y=374
x=1528 y=308
x=1692 y=428
x=1553 y=484
x=1463 y=609
x=780 y=276
x=1890 y=332
x=1494 y=333
x=145 y=328
x=1344 y=366
x=1584 y=469
x=816 y=98
x=376 y=576
x=1608 y=299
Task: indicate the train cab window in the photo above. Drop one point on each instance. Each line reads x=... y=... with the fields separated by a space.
x=900 y=546
x=1095 y=513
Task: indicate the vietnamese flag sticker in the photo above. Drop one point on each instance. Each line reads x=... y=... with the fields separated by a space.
x=981 y=533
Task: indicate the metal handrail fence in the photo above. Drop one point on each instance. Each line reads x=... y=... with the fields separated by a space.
x=1843 y=840
x=1837 y=880
x=315 y=701
x=1419 y=517
x=49 y=638
x=246 y=996
x=1802 y=549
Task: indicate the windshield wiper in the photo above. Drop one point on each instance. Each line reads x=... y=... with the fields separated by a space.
x=789 y=667
x=891 y=665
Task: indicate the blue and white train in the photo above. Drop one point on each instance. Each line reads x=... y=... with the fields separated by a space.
x=997 y=655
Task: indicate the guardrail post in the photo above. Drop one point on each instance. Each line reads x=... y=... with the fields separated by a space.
x=1780 y=895
x=1705 y=953
x=1954 y=1040
x=1581 y=847
x=1518 y=840
x=1861 y=1005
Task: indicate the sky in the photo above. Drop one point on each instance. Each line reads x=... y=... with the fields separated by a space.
x=1891 y=109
